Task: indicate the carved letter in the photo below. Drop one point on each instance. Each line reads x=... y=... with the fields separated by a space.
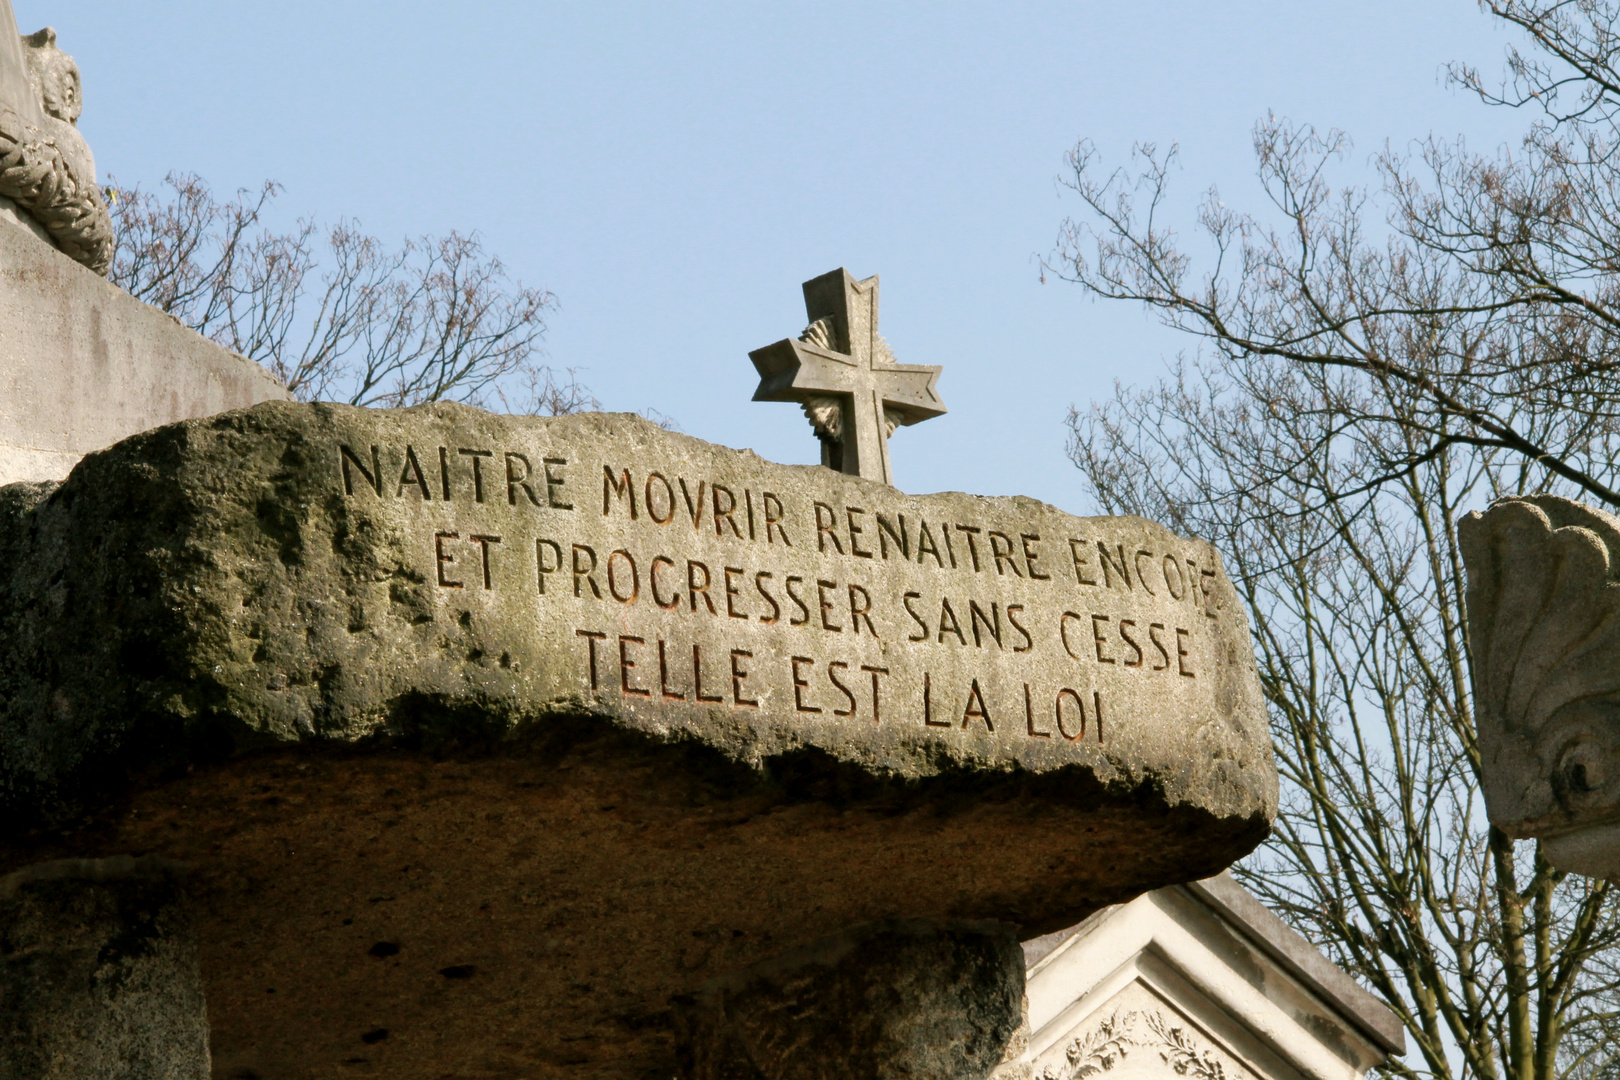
x=1030 y=556
x=693 y=508
x=969 y=531
x=373 y=476
x=832 y=677
x=947 y=621
x=585 y=572
x=906 y=600
x=776 y=609
x=886 y=532
x=877 y=715
x=737 y=677
x=1029 y=717
x=826 y=605
x=1012 y=617
x=515 y=480
x=622 y=487
x=1076 y=551
x=826 y=527
x=715 y=491
x=1079 y=704
x=798 y=602
x=541 y=569
x=593 y=636
x=1111 y=567
x=800 y=685
x=484 y=542
x=1001 y=548
x=669 y=499
x=860 y=607
x=698 y=588
x=663 y=674
x=1143 y=578
x=626 y=664
x=412 y=474
x=443 y=559
x=1124 y=635
x=697 y=678
x=478 y=457
x=552 y=484
x=773 y=519
x=976 y=616
x=1096 y=635
x=1153 y=636
x=975 y=709
x=674 y=600
x=635 y=577
x=732 y=593
x=928 y=719
x=855 y=531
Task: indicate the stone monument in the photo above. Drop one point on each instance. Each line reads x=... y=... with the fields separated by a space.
x=82 y=363
x=1544 y=629
x=486 y=736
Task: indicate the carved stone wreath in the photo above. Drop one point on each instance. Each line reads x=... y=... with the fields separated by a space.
x=1109 y=1043
x=36 y=174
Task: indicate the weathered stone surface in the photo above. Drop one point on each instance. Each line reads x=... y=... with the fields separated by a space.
x=296 y=573
x=1544 y=624
x=893 y=999
x=84 y=364
x=292 y=662
x=98 y=973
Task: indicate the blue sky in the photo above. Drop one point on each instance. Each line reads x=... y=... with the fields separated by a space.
x=673 y=172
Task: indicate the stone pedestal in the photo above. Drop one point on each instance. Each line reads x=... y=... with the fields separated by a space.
x=84 y=364
x=99 y=974
x=895 y=998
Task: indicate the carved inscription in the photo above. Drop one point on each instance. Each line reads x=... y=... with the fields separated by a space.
x=682 y=590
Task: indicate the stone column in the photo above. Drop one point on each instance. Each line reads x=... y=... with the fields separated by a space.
x=99 y=973
x=894 y=998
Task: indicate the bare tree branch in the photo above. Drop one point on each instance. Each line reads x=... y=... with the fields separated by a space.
x=334 y=314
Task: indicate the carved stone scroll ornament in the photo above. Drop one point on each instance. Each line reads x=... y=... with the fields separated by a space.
x=46 y=168
x=1544 y=624
x=1105 y=1047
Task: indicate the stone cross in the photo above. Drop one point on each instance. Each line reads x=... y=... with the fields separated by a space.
x=845 y=377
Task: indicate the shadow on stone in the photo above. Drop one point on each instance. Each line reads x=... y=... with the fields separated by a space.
x=892 y=998
x=99 y=974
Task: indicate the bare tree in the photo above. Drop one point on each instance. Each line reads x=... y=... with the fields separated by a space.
x=1466 y=283
x=332 y=312
x=1371 y=365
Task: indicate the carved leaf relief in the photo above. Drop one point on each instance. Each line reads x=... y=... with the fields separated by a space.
x=1109 y=1044
x=1544 y=627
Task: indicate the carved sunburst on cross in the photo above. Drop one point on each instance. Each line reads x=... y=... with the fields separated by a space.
x=845 y=377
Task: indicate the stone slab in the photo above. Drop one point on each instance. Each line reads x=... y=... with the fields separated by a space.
x=84 y=364
x=370 y=714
